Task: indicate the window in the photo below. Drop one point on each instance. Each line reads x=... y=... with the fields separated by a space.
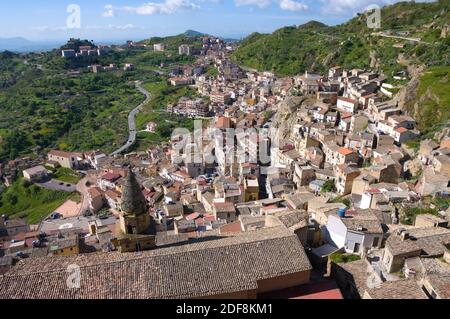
x=433 y=294
x=376 y=241
x=430 y=294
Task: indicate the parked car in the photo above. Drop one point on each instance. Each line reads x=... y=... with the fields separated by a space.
x=37 y=243
x=55 y=216
x=20 y=254
x=87 y=213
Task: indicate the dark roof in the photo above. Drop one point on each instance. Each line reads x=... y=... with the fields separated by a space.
x=219 y=265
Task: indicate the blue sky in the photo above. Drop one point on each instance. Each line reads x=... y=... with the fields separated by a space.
x=103 y=20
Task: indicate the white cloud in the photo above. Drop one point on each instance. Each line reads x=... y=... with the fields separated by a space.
x=354 y=6
x=109 y=11
x=291 y=5
x=125 y=27
x=152 y=8
x=287 y=5
x=253 y=3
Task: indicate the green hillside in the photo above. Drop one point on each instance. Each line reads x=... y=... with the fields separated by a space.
x=43 y=106
x=433 y=99
x=315 y=46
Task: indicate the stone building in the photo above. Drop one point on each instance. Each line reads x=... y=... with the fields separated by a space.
x=134 y=221
x=429 y=241
x=238 y=266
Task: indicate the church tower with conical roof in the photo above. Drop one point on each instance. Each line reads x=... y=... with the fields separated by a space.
x=134 y=217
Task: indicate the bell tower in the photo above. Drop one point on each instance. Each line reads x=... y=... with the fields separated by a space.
x=134 y=217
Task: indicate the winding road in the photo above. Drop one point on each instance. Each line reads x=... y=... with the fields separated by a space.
x=384 y=35
x=132 y=121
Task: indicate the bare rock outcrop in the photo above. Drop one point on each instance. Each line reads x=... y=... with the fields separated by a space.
x=406 y=98
x=286 y=116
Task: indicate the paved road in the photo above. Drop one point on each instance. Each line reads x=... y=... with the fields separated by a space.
x=132 y=121
x=384 y=35
x=72 y=222
x=83 y=190
x=58 y=186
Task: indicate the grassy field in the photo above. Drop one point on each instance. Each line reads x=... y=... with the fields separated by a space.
x=340 y=258
x=31 y=202
x=66 y=175
x=436 y=109
x=145 y=139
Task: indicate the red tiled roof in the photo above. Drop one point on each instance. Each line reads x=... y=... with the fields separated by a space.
x=345 y=115
x=345 y=151
x=112 y=194
x=111 y=177
x=401 y=130
x=223 y=122
x=61 y=153
x=235 y=227
x=94 y=192
x=287 y=147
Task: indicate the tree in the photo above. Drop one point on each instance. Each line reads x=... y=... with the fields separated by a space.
x=15 y=142
x=12 y=199
x=26 y=183
x=328 y=187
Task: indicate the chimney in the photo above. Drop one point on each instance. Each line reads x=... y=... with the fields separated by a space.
x=404 y=236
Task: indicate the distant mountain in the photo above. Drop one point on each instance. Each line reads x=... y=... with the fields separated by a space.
x=19 y=44
x=312 y=25
x=194 y=34
x=231 y=40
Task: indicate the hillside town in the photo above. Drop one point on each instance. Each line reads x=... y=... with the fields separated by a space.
x=297 y=187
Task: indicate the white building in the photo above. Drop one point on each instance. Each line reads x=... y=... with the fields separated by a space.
x=35 y=173
x=356 y=231
x=185 y=49
x=347 y=105
x=159 y=47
